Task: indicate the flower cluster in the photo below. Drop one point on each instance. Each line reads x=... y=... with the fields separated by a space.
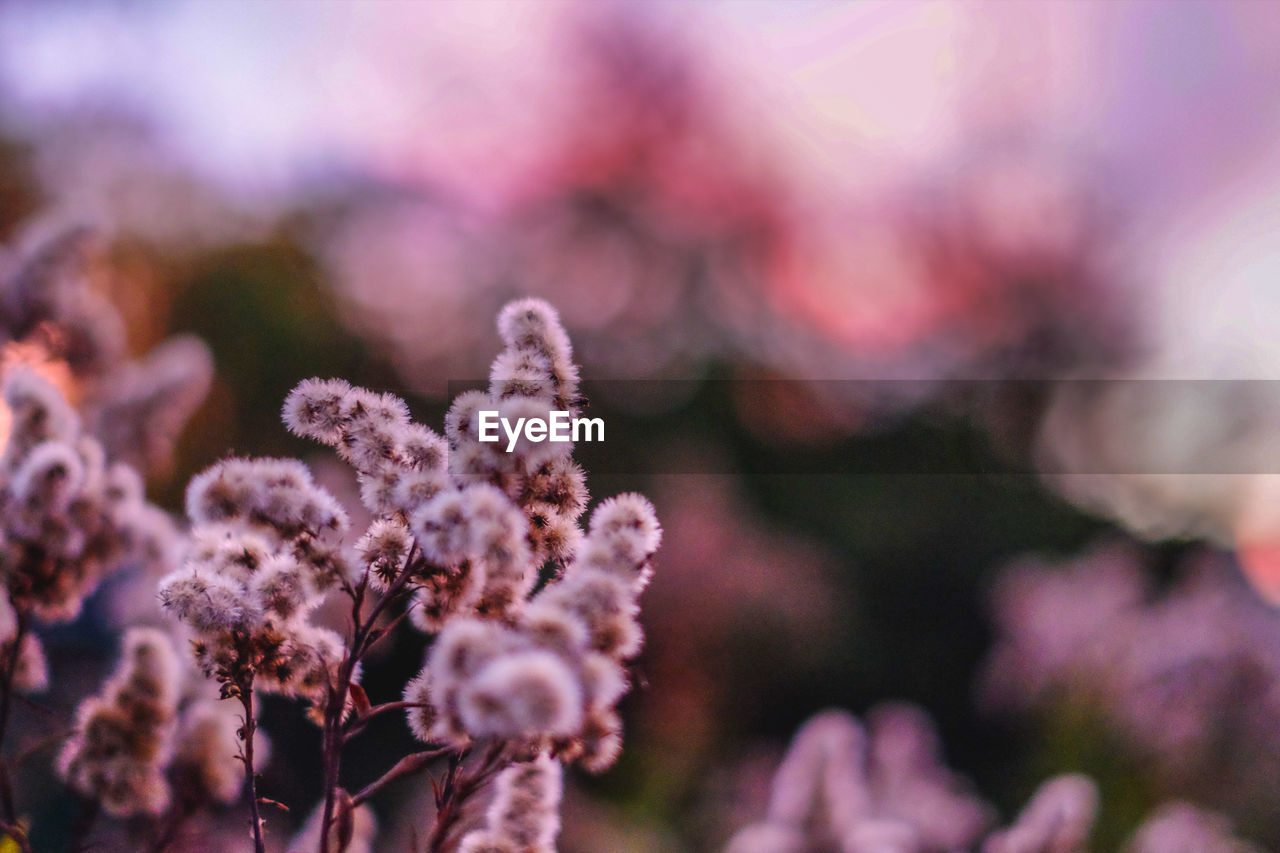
x=70 y=517
x=469 y=527
x=1183 y=828
x=554 y=673
x=1184 y=675
x=123 y=738
x=142 y=743
x=52 y=313
x=847 y=789
x=46 y=298
x=73 y=506
x=261 y=557
x=524 y=814
x=206 y=761
x=841 y=788
x=534 y=619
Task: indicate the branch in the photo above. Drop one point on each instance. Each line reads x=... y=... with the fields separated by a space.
x=246 y=734
x=361 y=722
x=407 y=766
x=457 y=789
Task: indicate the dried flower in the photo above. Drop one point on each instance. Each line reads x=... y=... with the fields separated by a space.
x=466 y=529
x=205 y=761
x=842 y=789
x=259 y=564
x=68 y=519
x=1183 y=828
x=1058 y=819
x=557 y=674
x=124 y=736
x=1180 y=675
x=846 y=789
x=523 y=816
x=49 y=307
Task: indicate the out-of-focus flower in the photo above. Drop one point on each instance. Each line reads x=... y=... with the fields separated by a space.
x=71 y=518
x=1058 y=819
x=1186 y=675
x=206 y=761
x=524 y=814
x=1184 y=828
x=886 y=789
x=55 y=318
x=840 y=789
x=364 y=829
x=262 y=556
x=124 y=737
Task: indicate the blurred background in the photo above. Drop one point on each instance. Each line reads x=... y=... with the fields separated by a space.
x=944 y=337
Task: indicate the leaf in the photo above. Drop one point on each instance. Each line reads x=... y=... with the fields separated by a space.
x=267 y=801
x=360 y=699
x=344 y=823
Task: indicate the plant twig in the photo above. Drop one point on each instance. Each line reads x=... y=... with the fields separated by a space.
x=247 y=733
x=362 y=638
x=413 y=763
x=360 y=723
x=458 y=787
x=8 y=808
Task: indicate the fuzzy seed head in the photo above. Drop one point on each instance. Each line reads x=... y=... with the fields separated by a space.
x=315 y=409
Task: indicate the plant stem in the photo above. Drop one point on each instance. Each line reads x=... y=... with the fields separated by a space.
x=246 y=700
x=413 y=763
x=333 y=737
x=360 y=723
x=458 y=787
x=13 y=652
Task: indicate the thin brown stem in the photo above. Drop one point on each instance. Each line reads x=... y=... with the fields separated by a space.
x=453 y=794
x=416 y=762
x=251 y=777
x=360 y=723
x=8 y=808
x=363 y=636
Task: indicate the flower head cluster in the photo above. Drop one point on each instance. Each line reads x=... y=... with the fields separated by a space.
x=470 y=526
x=1181 y=674
x=50 y=311
x=1058 y=819
x=262 y=555
x=46 y=296
x=1179 y=827
x=123 y=737
x=70 y=517
x=484 y=519
x=145 y=740
x=843 y=789
x=524 y=814
x=851 y=790
x=553 y=675
x=206 y=766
